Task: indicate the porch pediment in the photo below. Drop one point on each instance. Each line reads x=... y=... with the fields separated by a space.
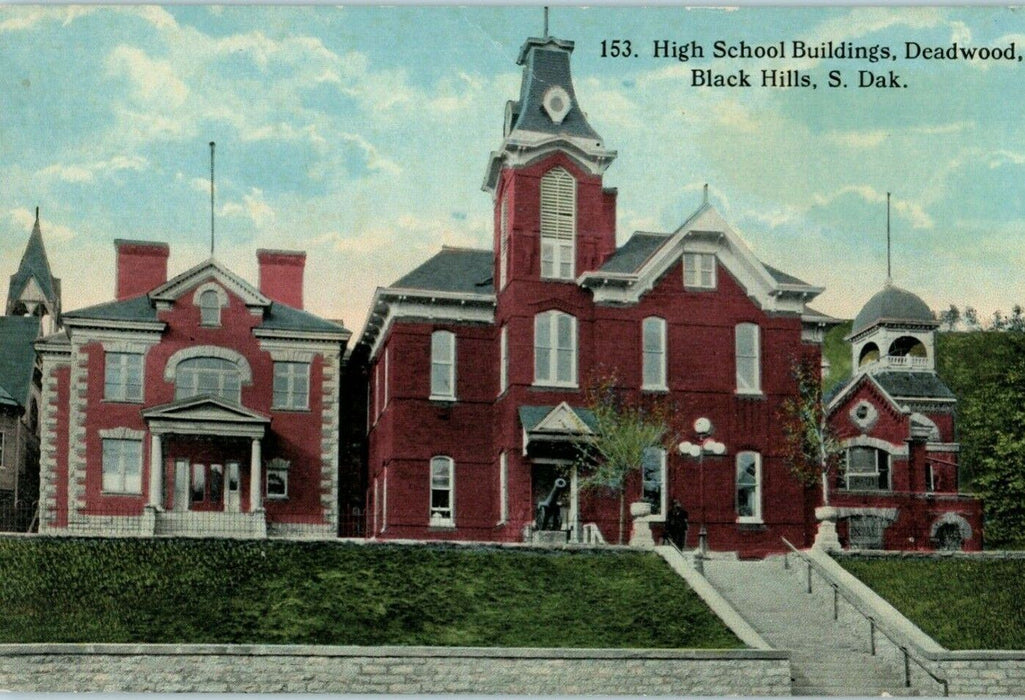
x=553 y=425
x=206 y=415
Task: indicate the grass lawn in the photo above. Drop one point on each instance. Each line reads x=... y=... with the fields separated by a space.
x=220 y=591
x=962 y=604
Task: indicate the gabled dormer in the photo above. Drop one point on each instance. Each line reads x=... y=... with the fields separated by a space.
x=33 y=290
x=554 y=220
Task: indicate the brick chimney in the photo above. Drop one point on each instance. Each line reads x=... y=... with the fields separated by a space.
x=281 y=275
x=141 y=266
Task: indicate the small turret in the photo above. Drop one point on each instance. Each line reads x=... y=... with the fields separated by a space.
x=33 y=290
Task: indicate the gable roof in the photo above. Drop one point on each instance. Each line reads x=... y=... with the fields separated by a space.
x=212 y=268
x=138 y=308
x=34 y=265
x=544 y=417
x=283 y=317
x=468 y=270
x=913 y=385
x=17 y=357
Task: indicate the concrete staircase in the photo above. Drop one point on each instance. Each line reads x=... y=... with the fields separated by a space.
x=828 y=657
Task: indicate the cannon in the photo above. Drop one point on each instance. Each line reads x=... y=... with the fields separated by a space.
x=549 y=516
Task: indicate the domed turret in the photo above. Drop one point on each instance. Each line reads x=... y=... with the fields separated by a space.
x=892 y=305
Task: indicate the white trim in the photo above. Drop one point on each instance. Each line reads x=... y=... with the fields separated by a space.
x=743 y=386
x=700 y=258
x=503 y=487
x=943 y=447
x=386 y=377
x=440 y=520
x=222 y=302
x=503 y=353
x=503 y=243
x=122 y=434
x=866 y=441
x=171 y=290
x=384 y=499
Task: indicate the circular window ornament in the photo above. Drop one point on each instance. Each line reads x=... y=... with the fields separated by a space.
x=556 y=102
x=864 y=415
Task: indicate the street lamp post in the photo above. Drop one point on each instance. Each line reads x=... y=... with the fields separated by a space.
x=705 y=445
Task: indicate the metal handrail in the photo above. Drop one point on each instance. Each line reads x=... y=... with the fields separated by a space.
x=910 y=650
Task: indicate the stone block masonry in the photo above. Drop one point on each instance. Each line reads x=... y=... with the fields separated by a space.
x=140 y=668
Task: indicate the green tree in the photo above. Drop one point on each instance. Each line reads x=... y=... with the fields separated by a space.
x=811 y=448
x=950 y=317
x=624 y=430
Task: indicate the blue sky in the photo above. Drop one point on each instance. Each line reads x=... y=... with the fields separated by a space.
x=361 y=134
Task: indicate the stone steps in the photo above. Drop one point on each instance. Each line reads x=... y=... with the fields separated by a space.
x=828 y=657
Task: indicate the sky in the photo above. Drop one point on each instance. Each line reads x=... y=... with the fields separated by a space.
x=361 y=135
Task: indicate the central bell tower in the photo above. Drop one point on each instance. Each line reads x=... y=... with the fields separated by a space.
x=554 y=219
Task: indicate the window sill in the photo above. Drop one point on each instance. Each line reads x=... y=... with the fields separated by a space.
x=554 y=385
x=124 y=401
x=749 y=394
x=269 y=497
x=750 y=520
x=120 y=493
x=698 y=288
x=442 y=525
x=441 y=399
x=656 y=389
x=289 y=409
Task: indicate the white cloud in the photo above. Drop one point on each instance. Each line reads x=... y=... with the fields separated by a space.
x=87 y=172
x=24 y=219
x=253 y=207
x=154 y=82
x=858 y=139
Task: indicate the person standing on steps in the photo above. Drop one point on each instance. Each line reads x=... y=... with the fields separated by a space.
x=676 y=525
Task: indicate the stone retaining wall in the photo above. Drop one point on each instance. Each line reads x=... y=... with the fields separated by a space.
x=299 y=669
x=983 y=672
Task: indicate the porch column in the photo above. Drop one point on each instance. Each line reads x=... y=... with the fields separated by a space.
x=255 y=478
x=156 y=471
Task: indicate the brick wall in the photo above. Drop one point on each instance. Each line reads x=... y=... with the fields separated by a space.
x=295 y=669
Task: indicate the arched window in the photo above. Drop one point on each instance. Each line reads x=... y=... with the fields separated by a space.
x=558 y=224
x=209 y=308
x=208 y=375
x=749 y=372
x=749 y=487
x=555 y=349
x=653 y=341
x=653 y=479
x=869 y=354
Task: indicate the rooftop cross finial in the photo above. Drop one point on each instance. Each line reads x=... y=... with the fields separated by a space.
x=211 y=199
x=889 y=275
x=546 y=22
x=705 y=196
x=37 y=216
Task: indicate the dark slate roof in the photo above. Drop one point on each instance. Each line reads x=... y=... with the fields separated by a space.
x=530 y=416
x=453 y=270
x=892 y=304
x=134 y=309
x=782 y=277
x=546 y=63
x=632 y=255
x=282 y=317
x=34 y=264
x=913 y=385
x=17 y=357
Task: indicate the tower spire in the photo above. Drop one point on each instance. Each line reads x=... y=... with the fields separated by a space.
x=545 y=35
x=889 y=273
x=211 y=199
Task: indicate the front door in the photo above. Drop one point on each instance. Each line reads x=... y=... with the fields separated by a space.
x=181 y=485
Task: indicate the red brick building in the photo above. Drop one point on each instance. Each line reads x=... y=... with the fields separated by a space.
x=479 y=360
x=196 y=405
x=896 y=420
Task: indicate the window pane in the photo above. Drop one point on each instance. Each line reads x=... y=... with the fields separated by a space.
x=564 y=371
x=198 y=482
x=440 y=384
x=277 y=483
x=651 y=465
x=216 y=482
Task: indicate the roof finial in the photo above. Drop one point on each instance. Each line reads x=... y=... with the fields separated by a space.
x=211 y=199
x=37 y=216
x=889 y=275
x=705 y=197
x=546 y=22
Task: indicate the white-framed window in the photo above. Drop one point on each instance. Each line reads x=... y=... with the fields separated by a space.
x=503 y=245
x=208 y=375
x=749 y=487
x=653 y=340
x=558 y=224
x=209 y=308
x=555 y=349
x=122 y=466
x=3 y=445
x=122 y=376
x=867 y=469
x=653 y=479
x=292 y=385
x=503 y=366
x=503 y=487
x=699 y=270
x=277 y=478
x=443 y=365
x=748 y=356
x=442 y=492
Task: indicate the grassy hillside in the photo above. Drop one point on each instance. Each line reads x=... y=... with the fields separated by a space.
x=217 y=591
x=962 y=604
